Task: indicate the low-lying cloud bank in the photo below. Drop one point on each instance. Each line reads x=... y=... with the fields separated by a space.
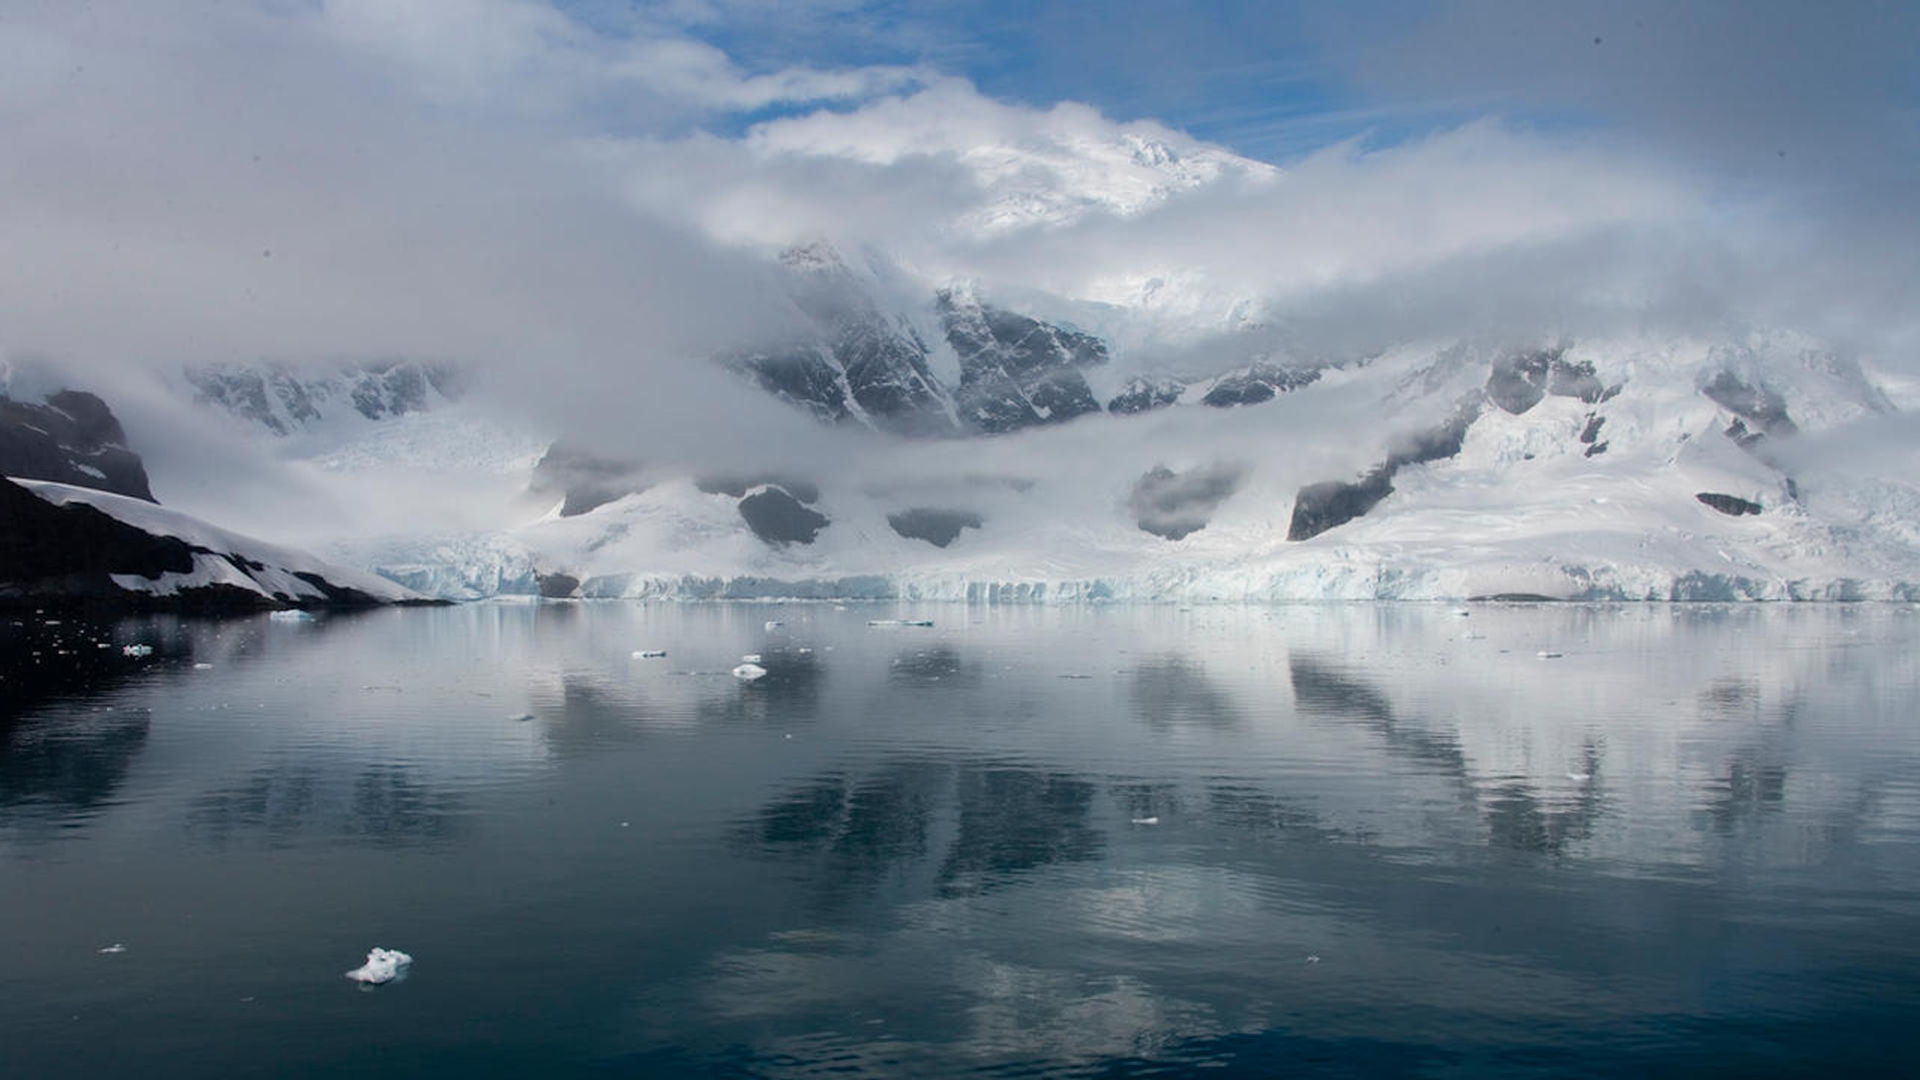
x=585 y=211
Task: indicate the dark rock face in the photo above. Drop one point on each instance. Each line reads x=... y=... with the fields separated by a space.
x=584 y=480
x=1332 y=503
x=72 y=439
x=1519 y=380
x=776 y=517
x=882 y=360
x=737 y=486
x=557 y=586
x=283 y=398
x=1756 y=405
x=1731 y=505
x=1577 y=379
x=68 y=554
x=936 y=526
x=807 y=378
x=1143 y=395
x=1175 y=506
x=1258 y=383
x=1017 y=372
x=1592 y=429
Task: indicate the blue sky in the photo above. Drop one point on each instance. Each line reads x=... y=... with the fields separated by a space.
x=1277 y=79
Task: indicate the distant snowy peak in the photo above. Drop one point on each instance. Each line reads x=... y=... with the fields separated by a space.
x=66 y=544
x=285 y=398
x=1030 y=169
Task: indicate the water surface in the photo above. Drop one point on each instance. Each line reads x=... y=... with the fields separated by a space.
x=1384 y=840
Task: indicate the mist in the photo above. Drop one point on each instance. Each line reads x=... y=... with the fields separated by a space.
x=585 y=213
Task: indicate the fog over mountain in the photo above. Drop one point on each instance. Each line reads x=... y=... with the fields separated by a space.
x=348 y=272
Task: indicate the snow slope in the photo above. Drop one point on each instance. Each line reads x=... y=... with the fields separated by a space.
x=1525 y=507
x=223 y=562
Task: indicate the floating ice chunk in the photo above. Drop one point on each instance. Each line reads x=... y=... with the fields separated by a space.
x=136 y=650
x=1075 y=675
x=521 y=717
x=1579 y=777
x=116 y=947
x=1547 y=654
x=750 y=658
x=899 y=622
x=292 y=615
x=1461 y=613
x=203 y=667
x=382 y=966
x=774 y=624
x=749 y=671
x=1155 y=820
x=649 y=654
x=804 y=651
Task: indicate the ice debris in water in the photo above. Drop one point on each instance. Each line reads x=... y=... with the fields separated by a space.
x=293 y=615
x=203 y=667
x=382 y=966
x=136 y=650
x=750 y=658
x=1155 y=820
x=116 y=947
x=749 y=671
x=774 y=624
x=899 y=622
x=1547 y=654
x=649 y=654
x=521 y=716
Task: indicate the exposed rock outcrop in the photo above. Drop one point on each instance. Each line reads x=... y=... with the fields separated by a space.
x=71 y=439
x=936 y=526
x=1177 y=505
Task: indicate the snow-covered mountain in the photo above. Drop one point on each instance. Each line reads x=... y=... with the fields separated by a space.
x=284 y=398
x=984 y=464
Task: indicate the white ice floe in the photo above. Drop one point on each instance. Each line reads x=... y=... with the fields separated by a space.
x=774 y=624
x=899 y=622
x=290 y=615
x=116 y=947
x=1147 y=820
x=649 y=654
x=136 y=650
x=1548 y=654
x=382 y=966
x=203 y=667
x=521 y=717
x=749 y=671
x=750 y=658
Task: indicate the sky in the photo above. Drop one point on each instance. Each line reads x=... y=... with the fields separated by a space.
x=584 y=194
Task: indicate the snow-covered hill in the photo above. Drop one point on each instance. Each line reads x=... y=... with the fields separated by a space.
x=60 y=543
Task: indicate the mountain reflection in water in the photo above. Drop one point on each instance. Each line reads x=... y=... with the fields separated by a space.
x=1246 y=842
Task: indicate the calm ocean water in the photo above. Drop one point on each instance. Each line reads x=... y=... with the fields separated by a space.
x=1305 y=841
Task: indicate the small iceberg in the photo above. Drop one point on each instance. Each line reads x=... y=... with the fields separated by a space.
x=203 y=667
x=750 y=658
x=290 y=615
x=112 y=949
x=1147 y=820
x=899 y=622
x=521 y=718
x=649 y=654
x=382 y=966
x=749 y=671
x=136 y=650
x=774 y=624
x=1547 y=654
